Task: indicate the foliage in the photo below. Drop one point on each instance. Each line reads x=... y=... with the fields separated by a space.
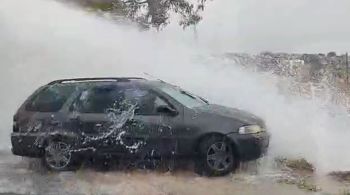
x=151 y=13
x=296 y=164
x=101 y=6
x=331 y=54
x=343 y=176
x=156 y=13
x=344 y=192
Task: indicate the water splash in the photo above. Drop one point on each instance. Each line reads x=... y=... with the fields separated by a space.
x=54 y=41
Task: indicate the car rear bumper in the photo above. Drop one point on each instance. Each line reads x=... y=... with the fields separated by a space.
x=250 y=146
x=25 y=145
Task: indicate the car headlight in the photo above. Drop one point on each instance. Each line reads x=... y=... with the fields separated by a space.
x=250 y=129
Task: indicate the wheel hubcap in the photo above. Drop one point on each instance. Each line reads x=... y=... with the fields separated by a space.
x=219 y=156
x=58 y=155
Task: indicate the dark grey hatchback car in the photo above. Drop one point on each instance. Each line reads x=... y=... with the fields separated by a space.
x=67 y=121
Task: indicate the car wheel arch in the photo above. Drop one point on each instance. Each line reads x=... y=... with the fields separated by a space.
x=46 y=140
x=208 y=135
x=55 y=138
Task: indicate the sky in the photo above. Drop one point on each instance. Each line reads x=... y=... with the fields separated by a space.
x=274 y=25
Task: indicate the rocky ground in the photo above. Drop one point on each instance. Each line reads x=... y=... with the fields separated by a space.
x=19 y=176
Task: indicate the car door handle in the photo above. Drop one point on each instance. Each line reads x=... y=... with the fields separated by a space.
x=75 y=121
x=55 y=122
x=128 y=139
x=130 y=122
x=74 y=118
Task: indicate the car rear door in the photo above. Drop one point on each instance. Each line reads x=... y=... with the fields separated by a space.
x=91 y=116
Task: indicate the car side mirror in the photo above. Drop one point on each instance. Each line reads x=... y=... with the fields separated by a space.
x=167 y=110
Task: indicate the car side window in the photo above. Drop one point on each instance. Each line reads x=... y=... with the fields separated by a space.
x=146 y=101
x=50 y=99
x=99 y=99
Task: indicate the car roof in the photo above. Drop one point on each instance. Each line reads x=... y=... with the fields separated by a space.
x=96 y=79
x=110 y=81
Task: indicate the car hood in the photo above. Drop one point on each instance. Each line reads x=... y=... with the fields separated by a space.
x=231 y=113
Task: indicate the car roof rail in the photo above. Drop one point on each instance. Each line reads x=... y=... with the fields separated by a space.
x=115 y=79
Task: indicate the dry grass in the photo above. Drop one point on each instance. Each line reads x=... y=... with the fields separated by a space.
x=296 y=164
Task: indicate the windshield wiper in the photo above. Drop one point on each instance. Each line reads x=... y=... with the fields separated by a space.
x=204 y=100
x=194 y=96
x=184 y=92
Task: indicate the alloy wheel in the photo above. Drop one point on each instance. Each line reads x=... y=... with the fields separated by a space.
x=219 y=156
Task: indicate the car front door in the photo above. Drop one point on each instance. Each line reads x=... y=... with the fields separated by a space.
x=122 y=119
x=151 y=128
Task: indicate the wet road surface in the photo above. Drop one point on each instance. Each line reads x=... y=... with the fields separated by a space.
x=19 y=176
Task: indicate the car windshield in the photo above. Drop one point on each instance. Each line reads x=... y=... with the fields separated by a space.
x=187 y=99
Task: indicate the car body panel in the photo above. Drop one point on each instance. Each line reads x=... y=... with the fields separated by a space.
x=105 y=133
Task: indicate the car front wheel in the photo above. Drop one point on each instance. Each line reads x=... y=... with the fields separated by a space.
x=216 y=157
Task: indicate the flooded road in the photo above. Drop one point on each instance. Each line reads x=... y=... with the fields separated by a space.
x=26 y=176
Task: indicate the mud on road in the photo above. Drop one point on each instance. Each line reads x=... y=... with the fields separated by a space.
x=21 y=176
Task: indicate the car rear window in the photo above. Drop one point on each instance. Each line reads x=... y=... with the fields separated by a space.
x=50 y=99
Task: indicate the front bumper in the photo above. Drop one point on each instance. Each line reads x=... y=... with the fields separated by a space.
x=250 y=146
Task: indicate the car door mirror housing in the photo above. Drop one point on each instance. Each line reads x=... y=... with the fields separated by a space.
x=167 y=110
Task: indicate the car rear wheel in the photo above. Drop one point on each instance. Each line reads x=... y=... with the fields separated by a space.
x=216 y=157
x=58 y=156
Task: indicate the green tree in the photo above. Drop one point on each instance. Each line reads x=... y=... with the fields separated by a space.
x=156 y=13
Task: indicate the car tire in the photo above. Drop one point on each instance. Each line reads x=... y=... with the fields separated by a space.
x=59 y=157
x=216 y=157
